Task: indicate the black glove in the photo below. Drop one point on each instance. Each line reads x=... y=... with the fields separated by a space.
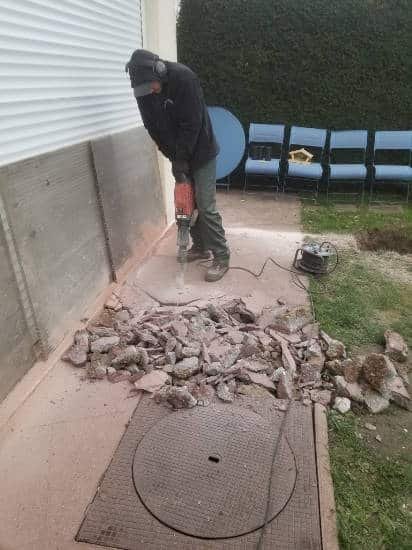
x=180 y=169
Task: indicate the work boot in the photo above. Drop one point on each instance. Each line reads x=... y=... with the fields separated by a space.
x=217 y=270
x=196 y=254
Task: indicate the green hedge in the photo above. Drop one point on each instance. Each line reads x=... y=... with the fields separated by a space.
x=331 y=63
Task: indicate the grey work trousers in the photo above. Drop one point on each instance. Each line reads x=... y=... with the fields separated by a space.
x=208 y=232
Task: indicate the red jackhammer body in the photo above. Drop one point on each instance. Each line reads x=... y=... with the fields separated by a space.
x=185 y=207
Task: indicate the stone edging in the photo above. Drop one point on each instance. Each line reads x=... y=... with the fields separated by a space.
x=327 y=508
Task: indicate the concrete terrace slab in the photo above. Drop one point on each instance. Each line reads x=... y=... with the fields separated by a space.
x=257 y=227
x=56 y=447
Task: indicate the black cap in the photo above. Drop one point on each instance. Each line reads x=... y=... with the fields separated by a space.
x=141 y=69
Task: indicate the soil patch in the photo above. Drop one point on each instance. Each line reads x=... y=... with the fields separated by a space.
x=397 y=239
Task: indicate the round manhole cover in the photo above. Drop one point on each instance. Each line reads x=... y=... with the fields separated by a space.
x=206 y=472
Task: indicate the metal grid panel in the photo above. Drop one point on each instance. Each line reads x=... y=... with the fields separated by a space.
x=118 y=519
x=62 y=77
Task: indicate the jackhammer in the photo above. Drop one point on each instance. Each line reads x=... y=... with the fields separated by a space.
x=185 y=214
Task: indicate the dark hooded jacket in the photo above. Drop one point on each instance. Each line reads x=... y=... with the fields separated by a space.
x=177 y=119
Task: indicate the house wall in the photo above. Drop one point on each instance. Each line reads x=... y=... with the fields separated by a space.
x=83 y=192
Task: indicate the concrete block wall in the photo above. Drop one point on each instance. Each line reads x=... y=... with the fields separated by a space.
x=130 y=192
x=74 y=219
x=16 y=343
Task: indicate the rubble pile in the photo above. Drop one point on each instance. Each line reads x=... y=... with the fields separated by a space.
x=188 y=355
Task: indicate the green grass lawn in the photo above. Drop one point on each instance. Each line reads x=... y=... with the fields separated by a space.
x=373 y=494
x=328 y=218
x=356 y=304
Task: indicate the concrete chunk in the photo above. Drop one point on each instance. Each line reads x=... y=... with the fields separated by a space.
x=309 y=373
x=287 y=358
x=81 y=339
x=105 y=344
x=213 y=369
x=261 y=380
x=285 y=386
x=376 y=369
x=191 y=351
x=290 y=338
x=289 y=320
x=235 y=337
x=223 y=393
x=187 y=368
x=375 y=402
x=126 y=357
x=351 y=370
x=352 y=391
x=177 y=397
x=314 y=354
x=113 y=303
x=76 y=355
x=336 y=349
x=396 y=348
x=342 y=404
x=152 y=382
x=321 y=396
x=311 y=331
x=253 y=390
x=100 y=332
x=179 y=328
x=398 y=394
x=334 y=367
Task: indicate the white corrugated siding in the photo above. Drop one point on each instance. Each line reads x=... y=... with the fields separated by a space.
x=62 y=76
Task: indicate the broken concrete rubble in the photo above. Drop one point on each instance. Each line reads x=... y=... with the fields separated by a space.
x=224 y=394
x=324 y=397
x=342 y=404
x=104 y=344
x=192 y=355
x=351 y=370
x=335 y=348
x=334 y=367
x=261 y=380
x=396 y=348
x=287 y=320
x=187 y=368
x=76 y=355
x=113 y=303
x=253 y=390
x=394 y=389
x=152 y=382
x=311 y=331
x=309 y=373
x=129 y=355
x=177 y=397
x=377 y=369
x=314 y=354
x=353 y=392
x=285 y=386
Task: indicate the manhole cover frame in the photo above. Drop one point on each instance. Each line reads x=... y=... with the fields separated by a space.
x=240 y=421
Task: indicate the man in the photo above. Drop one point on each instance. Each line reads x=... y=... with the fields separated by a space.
x=174 y=112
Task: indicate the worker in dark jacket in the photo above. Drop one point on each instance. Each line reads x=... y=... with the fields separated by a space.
x=173 y=110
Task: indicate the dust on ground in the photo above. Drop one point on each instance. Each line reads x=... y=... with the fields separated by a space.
x=394 y=239
x=394 y=426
